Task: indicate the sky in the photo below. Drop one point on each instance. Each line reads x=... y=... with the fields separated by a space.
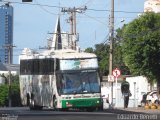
x=33 y=21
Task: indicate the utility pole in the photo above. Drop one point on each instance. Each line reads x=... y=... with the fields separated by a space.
x=72 y=19
x=111 y=37
x=9 y=47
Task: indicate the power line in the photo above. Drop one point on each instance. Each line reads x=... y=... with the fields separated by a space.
x=85 y=4
x=95 y=19
x=90 y=9
x=98 y=10
x=34 y=4
x=46 y=9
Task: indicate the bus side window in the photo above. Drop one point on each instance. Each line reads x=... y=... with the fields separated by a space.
x=57 y=64
x=51 y=65
x=68 y=83
x=22 y=67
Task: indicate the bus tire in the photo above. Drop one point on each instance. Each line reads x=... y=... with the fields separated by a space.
x=28 y=99
x=64 y=109
x=54 y=102
x=100 y=108
x=32 y=105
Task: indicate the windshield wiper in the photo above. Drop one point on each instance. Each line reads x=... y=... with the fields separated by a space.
x=75 y=92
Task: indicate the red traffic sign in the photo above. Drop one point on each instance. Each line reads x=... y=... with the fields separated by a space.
x=116 y=72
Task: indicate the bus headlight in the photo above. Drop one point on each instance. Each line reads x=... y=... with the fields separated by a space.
x=98 y=101
x=68 y=104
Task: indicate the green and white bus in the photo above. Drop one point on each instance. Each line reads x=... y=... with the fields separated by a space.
x=59 y=79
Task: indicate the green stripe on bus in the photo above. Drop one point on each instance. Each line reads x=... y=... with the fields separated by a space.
x=75 y=103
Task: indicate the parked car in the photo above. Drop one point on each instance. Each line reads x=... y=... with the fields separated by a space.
x=149 y=97
x=152 y=97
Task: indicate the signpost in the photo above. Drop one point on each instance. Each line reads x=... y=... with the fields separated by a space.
x=110 y=78
x=116 y=73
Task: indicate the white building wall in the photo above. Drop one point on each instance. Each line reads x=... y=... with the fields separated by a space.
x=2 y=80
x=7 y=72
x=138 y=86
x=152 y=6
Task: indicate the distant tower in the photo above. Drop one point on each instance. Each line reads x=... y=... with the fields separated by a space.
x=6 y=32
x=57 y=41
x=152 y=6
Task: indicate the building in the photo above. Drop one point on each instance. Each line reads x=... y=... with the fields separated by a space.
x=152 y=6
x=138 y=87
x=6 y=33
x=14 y=68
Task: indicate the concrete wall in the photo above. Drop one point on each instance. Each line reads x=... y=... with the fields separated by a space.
x=2 y=80
x=138 y=86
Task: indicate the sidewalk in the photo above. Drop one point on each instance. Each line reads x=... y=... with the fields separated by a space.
x=133 y=110
x=142 y=110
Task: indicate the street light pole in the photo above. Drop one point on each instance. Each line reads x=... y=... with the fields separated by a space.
x=111 y=44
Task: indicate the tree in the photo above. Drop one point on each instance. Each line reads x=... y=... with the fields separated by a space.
x=118 y=59
x=3 y=95
x=89 y=50
x=101 y=50
x=118 y=53
x=15 y=91
x=141 y=46
x=15 y=96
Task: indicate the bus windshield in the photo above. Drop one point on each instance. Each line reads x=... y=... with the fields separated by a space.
x=78 y=82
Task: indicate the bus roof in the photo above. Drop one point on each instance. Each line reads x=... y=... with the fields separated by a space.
x=60 y=54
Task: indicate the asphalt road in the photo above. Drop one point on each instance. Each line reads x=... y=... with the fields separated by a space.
x=26 y=114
